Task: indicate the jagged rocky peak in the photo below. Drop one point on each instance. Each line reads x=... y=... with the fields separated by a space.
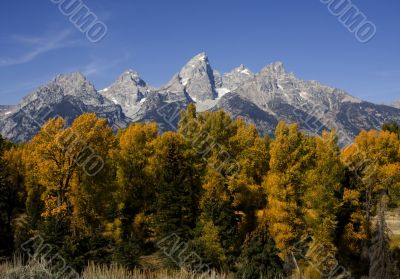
x=264 y=98
x=201 y=58
x=197 y=65
x=77 y=77
x=127 y=83
x=128 y=91
x=68 y=96
x=236 y=77
x=71 y=79
x=242 y=69
x=196 y=78
x=74 y=84
x=131 y=77
x=276 y=68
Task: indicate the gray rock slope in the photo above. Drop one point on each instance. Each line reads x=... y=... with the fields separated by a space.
x=314 y=106
x=129 y=91
x=196 y=79
x=262 y=98
x=67 y=96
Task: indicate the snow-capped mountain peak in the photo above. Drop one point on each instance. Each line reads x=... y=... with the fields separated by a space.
x=131 y=77
x=236 y=77
x=196 y=79
x=242 y=69
x=127 y=91
x=263 y=98
x=201 y=57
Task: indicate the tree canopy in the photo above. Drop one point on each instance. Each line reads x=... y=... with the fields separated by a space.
x=239 y=201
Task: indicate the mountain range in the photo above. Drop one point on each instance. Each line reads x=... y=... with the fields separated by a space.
x=262 y=98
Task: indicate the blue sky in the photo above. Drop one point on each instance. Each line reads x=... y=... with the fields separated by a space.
x=157 y=37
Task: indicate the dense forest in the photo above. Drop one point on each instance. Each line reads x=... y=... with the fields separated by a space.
x=214 y=195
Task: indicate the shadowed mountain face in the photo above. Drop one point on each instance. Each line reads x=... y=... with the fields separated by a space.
x=262 y=98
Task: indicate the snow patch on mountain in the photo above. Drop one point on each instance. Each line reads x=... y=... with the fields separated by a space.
x=127 y=91
x=351 y=99
x=262 y=98
x=222 y=91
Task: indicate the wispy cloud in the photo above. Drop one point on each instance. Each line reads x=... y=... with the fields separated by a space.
x=37 y=46
x=97 y=67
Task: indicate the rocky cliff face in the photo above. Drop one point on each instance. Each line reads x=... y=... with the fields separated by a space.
x=262 y=98
x=128 y=91
x=236 y=78
x=196 y=79
x=315 y=107
x=67 y=96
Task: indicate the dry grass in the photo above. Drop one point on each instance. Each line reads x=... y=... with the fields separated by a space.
x=106 y=272
x=34 y=270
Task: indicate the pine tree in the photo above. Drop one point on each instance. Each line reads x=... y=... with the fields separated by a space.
x=259 y=257
x=178 y=187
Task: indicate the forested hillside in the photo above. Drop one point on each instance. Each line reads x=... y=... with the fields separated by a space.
x=212 y=196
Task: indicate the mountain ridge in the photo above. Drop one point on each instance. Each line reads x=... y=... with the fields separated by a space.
x=68 y=96
x=263 y=98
